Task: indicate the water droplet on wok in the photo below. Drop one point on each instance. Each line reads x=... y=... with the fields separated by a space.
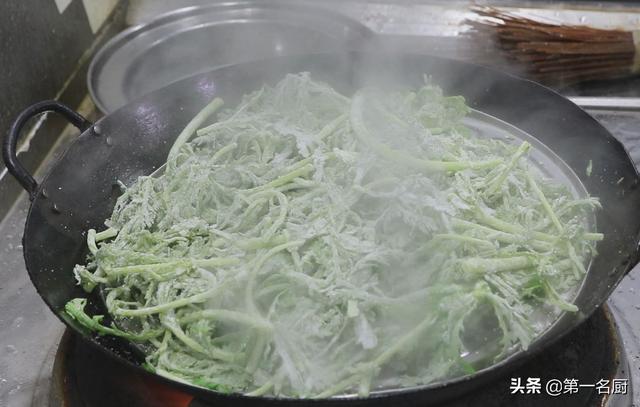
x=44 y=193
x=97 y=129
x=109 y=141
x=18 y=322
x=55 y=209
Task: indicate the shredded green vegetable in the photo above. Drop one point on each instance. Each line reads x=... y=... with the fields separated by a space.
x=308 y=244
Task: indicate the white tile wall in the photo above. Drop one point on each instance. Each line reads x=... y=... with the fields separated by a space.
x=98 y=11
x=62 y=4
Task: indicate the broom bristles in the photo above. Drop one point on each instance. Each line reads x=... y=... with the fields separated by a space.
x=556 y=52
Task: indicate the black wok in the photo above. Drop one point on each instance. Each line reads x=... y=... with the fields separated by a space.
x=80 y=190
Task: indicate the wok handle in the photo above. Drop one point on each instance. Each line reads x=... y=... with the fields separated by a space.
x=9 y=146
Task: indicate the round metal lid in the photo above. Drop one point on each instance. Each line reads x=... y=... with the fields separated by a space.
x=197 y=39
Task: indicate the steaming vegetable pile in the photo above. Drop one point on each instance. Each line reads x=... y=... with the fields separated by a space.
x=309 y=244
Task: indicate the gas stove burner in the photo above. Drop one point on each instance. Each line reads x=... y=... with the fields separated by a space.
x=585 y=364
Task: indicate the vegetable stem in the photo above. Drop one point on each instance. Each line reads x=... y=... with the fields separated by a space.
x=499 y=180
x=495 y=265
x=192 y=126
x=360 y=130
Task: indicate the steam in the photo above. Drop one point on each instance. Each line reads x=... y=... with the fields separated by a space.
x=368 y=237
